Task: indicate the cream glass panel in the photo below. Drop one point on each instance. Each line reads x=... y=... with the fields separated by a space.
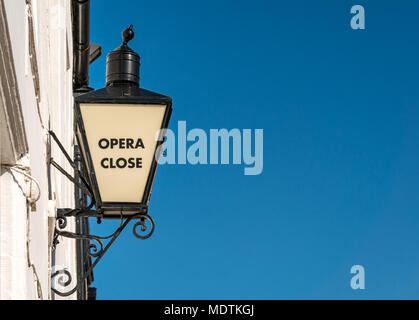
x=115 y=134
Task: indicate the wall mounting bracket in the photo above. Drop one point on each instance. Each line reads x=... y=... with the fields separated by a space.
x=95 y=248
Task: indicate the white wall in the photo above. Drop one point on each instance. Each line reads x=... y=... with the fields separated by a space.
x=25 y=254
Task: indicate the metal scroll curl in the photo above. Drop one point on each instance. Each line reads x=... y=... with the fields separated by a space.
x=94 y=249
x=144 y=227
x=62 y=222
x=61 y=277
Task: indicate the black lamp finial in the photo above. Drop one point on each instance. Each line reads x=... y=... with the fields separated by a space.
x=128 y=34
x=123 y=63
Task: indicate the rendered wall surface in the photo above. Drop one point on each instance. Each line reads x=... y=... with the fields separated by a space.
x=41 y=45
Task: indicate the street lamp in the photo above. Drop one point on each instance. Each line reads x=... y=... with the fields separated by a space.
x=117 y=129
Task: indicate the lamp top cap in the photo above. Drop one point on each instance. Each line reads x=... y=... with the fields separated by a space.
x=123 y=63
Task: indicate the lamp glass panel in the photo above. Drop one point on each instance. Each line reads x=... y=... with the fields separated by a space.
x=122 y=140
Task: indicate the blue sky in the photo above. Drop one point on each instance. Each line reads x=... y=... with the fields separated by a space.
x=339 y=110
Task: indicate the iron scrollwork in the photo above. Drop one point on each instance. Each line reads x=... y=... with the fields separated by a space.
x=144 y=227
x=94 y=250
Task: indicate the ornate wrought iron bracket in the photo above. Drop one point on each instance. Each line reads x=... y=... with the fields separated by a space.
x=94 y=250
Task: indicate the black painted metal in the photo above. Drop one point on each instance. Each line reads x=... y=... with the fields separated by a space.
x=83 y=55
x=95 y=51
x=84 y=262
x=123 y=64
x=91 y=293
x=85 y=186
x=81 y=42
x=82 y=224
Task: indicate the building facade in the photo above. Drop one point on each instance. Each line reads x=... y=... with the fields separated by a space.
x=36 y=95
